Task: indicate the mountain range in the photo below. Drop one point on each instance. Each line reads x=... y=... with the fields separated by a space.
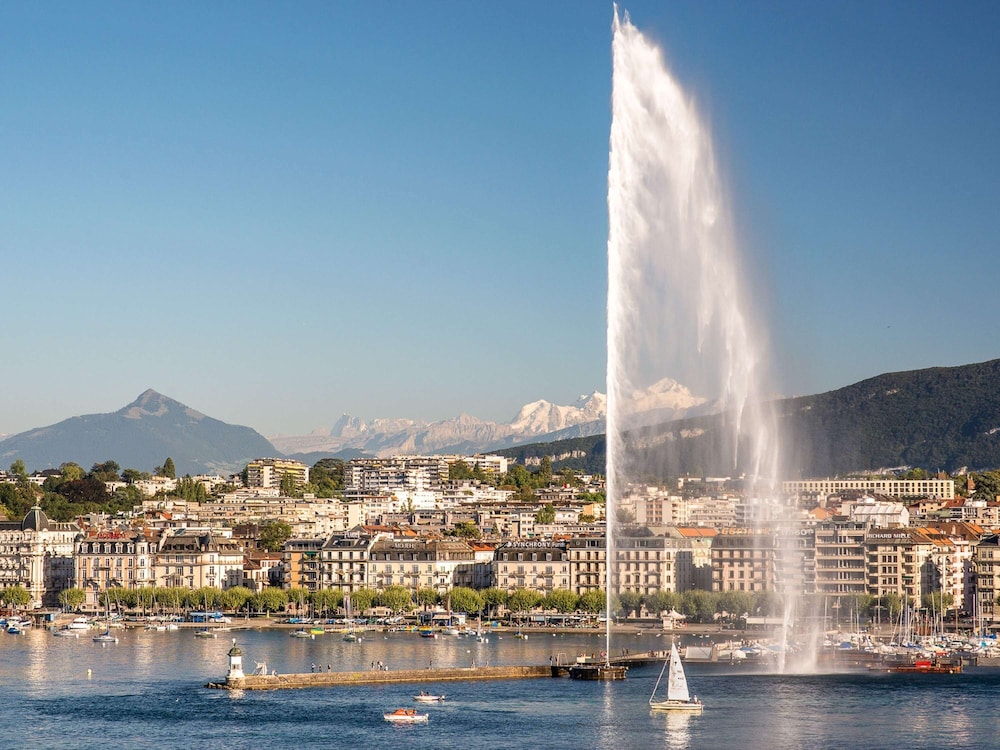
x=937 y=418
x=539 y=420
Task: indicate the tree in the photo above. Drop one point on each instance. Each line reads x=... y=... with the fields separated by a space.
x=467 y=530
x=663 y=601
x=427 y=597
x=326 y=599
x=106 y=472
x=546 y=514
x=464 y=599
x=523 y=600
x=288 y=486
x=630 y=602
x=86 y=491
x=327 y=477
x=18 y=469
x=362 y=600
x=71 y=599
x=274 y=534
x=459 y=471
x=70 y=471
x=235 y=598
x=16 y=596
x=395 y=598
x=592 y=601
x=298 y=596
x=131 y=476
x=561 y=600
x=167 y=470
x=545 y=471
x=493 y=598
x=269 y=599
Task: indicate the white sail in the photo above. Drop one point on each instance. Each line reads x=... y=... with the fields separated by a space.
x=677 y=684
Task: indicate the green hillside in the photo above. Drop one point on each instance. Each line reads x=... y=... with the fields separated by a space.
x=941 y=418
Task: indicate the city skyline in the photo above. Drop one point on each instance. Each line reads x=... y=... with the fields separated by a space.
x=280 y=215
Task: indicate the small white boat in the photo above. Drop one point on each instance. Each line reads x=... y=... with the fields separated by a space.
x=301 y=633
x=428 y=698
x=105 y=637
x=79 y=623
x=66 y=633
x=205 y=633
x=405 y=716
x=678 y=696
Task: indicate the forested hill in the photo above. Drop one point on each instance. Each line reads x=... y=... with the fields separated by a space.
x=941 y=418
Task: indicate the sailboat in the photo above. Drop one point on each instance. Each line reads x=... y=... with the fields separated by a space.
x=678 y=697
x=106 y=636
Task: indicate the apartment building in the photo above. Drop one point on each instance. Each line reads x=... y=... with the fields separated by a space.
x=587 y=556
x=539 y=566
x=744 y=560
x=898 y=561
x=268 y=472
x=193 y=558
x=114 y=559
x=420 y=563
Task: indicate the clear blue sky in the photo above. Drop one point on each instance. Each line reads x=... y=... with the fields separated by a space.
x=280 y=212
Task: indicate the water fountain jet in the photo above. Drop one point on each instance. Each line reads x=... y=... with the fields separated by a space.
x=677 y=301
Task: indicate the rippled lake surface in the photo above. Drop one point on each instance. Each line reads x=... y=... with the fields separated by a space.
x=148 y=691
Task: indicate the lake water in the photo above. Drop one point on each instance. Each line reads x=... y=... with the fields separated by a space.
x=147 y=691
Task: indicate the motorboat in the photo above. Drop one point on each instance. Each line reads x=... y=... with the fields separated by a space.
x=301 y=633
x=679 y=697
x=405 y=716
x=423 y=697
x=79 y=623
x=66 y=633
x=105 y=637
x=206 y=633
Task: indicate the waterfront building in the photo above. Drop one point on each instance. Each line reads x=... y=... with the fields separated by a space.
x=898 y=562
x=744 y=560
x=107 y=559
x=538 y=566
x=587 y=556
x=421 y=563
x=840 y=558
x=344 y=559
x=986 y=565
x=301 y=564
x=193 y=558
x=37 y=553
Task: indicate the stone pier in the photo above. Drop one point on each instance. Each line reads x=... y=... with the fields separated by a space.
x=374 y=677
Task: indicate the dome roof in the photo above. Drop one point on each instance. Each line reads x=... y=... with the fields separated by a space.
x=36 y=520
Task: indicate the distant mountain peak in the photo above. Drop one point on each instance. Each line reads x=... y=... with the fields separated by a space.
x=150 y=403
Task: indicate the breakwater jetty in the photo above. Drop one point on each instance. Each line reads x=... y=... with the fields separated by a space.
x=274 y=681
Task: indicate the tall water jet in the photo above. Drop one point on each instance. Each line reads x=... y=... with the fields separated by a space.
x=677 y=304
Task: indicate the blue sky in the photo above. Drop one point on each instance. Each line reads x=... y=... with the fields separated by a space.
x=277 y=213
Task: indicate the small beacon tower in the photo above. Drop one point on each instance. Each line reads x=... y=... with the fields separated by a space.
x=235 y=676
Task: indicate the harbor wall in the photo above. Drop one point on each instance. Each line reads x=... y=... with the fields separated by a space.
x=333 y=679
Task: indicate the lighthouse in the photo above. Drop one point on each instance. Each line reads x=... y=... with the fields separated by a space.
x=235 y=676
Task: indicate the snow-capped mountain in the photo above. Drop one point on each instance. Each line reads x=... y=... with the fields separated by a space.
x=539 y=420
